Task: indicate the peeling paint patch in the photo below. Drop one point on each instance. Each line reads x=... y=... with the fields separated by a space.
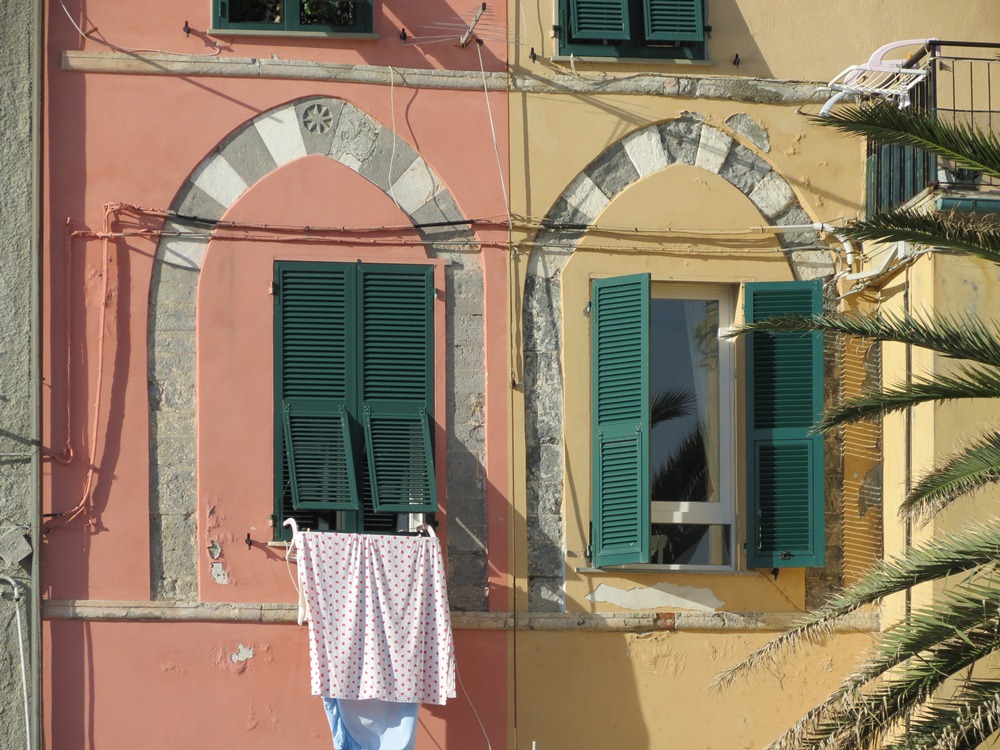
x=243 y=653
x=219 y=573
x=212 y=522
x=214 y=549
x=660 y=596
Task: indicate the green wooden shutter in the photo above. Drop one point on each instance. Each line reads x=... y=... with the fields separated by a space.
x=599 y=19
x=620 y=420
x=313 y=384
x=674 y=20
x=784 y=400
x=397 y=384
x=320 y=459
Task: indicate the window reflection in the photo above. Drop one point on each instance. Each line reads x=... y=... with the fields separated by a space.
x=690 y=544
x=328 y=12
x=255 y=11
x=684 y=383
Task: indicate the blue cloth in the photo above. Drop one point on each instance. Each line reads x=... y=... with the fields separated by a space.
x=371 y=724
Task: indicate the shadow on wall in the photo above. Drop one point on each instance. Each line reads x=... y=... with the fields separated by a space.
x=731 y=44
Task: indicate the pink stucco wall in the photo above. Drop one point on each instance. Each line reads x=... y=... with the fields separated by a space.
x=162 y=686
x=135 y=139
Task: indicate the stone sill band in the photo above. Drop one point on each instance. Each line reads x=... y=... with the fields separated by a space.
x=521 y=80
x=629 y=622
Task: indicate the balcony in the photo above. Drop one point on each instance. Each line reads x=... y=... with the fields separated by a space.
x=957 y=81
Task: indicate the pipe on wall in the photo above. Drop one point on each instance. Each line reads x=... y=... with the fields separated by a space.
x=34 y=595
x=20 y=650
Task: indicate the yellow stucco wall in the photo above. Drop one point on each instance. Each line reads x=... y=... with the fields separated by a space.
x=590 y=689
x=782 y=39
x=583 y=689
x=652 y=690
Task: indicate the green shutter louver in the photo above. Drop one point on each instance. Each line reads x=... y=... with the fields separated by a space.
x=397 y=334
x=599 y=19
x=674 y=20
x=401 y=462
x=397 y=384
x=620 y=420
x=313 y=380
x=321 y=465
x=784 y=401
x=315 y=305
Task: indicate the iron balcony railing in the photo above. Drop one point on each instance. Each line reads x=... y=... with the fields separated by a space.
x=962 y=86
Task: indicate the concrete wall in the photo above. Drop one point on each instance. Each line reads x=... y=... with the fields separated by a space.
x=17 y=247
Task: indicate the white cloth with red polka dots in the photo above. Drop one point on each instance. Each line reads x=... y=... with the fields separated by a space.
x=379 y=623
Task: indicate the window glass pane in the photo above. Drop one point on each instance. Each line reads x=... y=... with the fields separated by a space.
x=690 y=544
x=684 y=389
x=328 y=12
x=255 y=11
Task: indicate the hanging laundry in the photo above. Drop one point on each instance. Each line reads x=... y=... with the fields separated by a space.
x=371 y=725
x=379 y=623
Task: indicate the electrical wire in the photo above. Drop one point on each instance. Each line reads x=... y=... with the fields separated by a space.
x=496 y=146
x=67 y=516
x=134 y=210
x=458 y=674
x=392 y=114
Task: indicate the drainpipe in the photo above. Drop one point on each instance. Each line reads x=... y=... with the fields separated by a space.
x=20 y=650
x=35 y=594
x=908 y=443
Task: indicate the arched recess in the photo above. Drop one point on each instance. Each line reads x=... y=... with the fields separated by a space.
x=305 y=127
x=686 y=140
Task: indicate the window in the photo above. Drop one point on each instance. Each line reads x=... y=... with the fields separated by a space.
x=330 y=16
x=665 y=439
x=354 y=394
x=671 y=29
x=691 y=416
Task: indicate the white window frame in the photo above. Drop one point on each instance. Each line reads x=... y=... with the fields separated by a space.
x=723 y=512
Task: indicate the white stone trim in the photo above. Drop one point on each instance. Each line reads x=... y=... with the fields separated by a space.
x=217 y=178
x=415 y=187
x=280 y=131
x=646 y=151
x=181 y=251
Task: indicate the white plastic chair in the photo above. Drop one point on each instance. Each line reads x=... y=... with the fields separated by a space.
x=878 y=77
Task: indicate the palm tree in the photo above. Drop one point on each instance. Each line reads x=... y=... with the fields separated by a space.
x=919 y=686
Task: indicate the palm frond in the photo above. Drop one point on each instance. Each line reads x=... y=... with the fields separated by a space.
x=957 y=232
x=968 y=605
x=967 y=382
x=670 y=404
x=969 y=469
x=946 y=555
x=683 y=476
x=977 y=149
x=961 y=721
x=958 y=336
x=852 y=720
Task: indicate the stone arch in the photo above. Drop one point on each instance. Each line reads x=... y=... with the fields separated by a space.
x=309 y=126
x=685 y=140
